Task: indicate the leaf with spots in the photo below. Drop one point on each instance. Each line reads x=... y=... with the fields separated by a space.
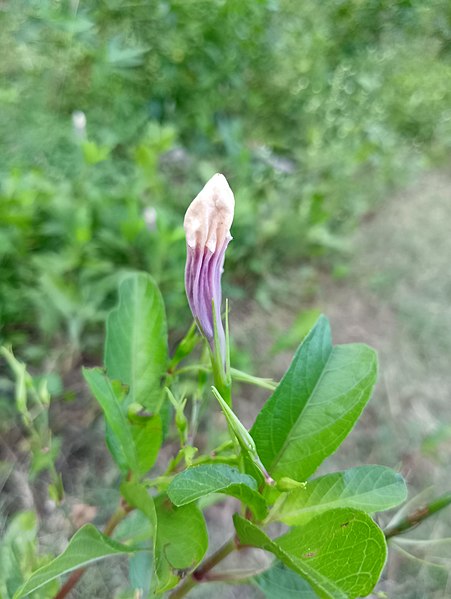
x=340 y=553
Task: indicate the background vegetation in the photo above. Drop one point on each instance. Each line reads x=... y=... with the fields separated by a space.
x=313 y=111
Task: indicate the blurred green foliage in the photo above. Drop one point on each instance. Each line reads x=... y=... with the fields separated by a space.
x=310 y=109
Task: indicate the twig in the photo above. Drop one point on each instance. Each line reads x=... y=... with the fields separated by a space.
x=415 y=518
x=201 y=573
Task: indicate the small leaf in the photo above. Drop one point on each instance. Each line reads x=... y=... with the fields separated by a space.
x=118 y=425
x=136 y=347
x=340 y=553
x=316 y=404
x=196 y=482
x=366 y=488
x=86 y=546
x=180 y=544
x=279 y=582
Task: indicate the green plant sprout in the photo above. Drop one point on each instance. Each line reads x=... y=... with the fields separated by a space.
x=331 y=546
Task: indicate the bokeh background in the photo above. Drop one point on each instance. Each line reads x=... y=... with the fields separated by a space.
x=332 y=123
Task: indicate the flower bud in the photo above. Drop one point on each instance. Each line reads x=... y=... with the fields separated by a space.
x=207 y=227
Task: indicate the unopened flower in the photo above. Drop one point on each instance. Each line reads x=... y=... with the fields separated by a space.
x=207 y=227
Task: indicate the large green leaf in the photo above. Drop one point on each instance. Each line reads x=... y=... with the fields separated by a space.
x=315 y=405
x=196 y=482
x=366 y=488
x=340 y=553
x=86 y=546
x=280 y=582
x=136 y=347
x=250 y=535
x=343 y=544
x=180 y=542
x=119 y=434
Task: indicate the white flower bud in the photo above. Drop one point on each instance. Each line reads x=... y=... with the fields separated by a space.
x=210 y=215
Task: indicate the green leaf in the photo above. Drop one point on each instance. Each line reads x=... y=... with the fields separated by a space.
x=136 y=347
x=340 y=553
x=343 y=544
x=140 y=563
x=136 y=495
x=366 y=488
x=115 y=448
x=135 y=529
x=250 y=535
x=102 y=389
x=180 y=544
x=140 y=573
x=196 y=482
x=86 y=546
x=316 y=404
x=147 y=437
x=279 y=582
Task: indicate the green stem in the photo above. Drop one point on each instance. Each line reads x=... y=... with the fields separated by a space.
x=200 y=574
x=415 y=518
x=223 y=383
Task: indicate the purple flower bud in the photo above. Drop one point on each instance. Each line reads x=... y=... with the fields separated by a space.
x=207 y=227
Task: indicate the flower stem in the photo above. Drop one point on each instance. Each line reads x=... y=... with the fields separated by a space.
x=201 y=573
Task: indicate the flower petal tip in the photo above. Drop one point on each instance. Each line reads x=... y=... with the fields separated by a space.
x=210 y=215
